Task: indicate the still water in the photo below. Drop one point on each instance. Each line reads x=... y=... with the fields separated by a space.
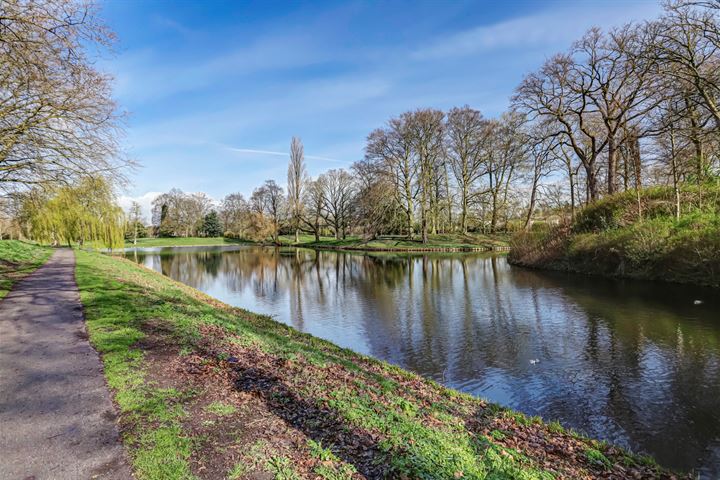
x=635 y=363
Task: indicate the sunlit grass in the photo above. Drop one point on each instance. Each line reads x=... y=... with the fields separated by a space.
x=18 y=259
x=416 y=439
x=182 y=242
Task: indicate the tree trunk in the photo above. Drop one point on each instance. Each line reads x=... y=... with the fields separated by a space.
x=696 y=141
x=493 y=215
x=463 y=213
x=531 y=207
x=612 y=165
x=673 y=163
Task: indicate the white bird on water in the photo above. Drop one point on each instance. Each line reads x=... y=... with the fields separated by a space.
x=534 y=361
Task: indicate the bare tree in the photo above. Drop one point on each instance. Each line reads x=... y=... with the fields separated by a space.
x=426 y=130
x=392 y=149
x=234 y=214
x=268 y=200
x=613 y=77
x=58 y=121
x=177 y=213
x=375 y=206
x=557 y=95
x=466 y=136
x=338 y=196
x=687 y=45
x=543 y=151
x=296 y=177
x=313 y=211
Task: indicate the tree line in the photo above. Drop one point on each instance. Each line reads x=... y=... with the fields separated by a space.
x=625 y=108
x=620 y=110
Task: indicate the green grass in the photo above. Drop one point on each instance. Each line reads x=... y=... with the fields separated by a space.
x=399 y=243
x=114 y=320
x=182 y=242
x=617 y=236
x=391 y=243
x=421 y=428
x=220 y=409
x=18 y=259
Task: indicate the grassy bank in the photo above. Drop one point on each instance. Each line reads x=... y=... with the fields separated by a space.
x=182 y=242
x=619 y=236
x=446 y=242
x=18 y=259
x=399 y=244
x=209 y=391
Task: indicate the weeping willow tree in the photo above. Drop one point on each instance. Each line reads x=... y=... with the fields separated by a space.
x=85 y=213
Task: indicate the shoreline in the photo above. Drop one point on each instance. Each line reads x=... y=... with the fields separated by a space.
x=355 y=248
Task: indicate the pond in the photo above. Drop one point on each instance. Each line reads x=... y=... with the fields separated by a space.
x=631 y=362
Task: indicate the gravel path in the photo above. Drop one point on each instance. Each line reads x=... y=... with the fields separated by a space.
x=56 y=417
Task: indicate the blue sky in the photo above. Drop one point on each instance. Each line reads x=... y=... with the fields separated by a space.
x=215 y=90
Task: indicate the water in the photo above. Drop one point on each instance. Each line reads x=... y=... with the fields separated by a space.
x=635 y=363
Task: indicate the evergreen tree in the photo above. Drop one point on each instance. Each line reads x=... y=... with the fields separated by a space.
x=211 y=225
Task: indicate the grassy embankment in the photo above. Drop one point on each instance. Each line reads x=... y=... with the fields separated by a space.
x=205 y=390
x=611 y=238
x=18 y=259
x=182 y=242
x=447 y=242
x=436 y=242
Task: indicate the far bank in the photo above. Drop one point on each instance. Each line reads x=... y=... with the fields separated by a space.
x=635 y=236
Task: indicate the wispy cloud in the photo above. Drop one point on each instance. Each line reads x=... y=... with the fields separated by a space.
x=147 y=76
x=214 y=105
x=280 y=154
x=300 y=107
x=557 y=27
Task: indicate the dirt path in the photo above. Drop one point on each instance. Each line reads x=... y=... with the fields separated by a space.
x=56 y=417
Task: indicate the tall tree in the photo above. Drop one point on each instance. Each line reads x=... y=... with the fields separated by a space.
x=391 y=148
x=613 y=77
x=505 y=153
x=314 y=199
x=466 y=137
x=338 y=200
x=296 y=178
x=426 y=131
x=558 y=95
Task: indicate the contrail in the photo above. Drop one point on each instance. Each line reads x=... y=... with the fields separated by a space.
x=282 y=154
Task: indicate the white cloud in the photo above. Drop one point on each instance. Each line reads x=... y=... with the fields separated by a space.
x=145 y=202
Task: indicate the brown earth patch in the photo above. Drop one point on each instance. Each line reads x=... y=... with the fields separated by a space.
x=277 y=406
